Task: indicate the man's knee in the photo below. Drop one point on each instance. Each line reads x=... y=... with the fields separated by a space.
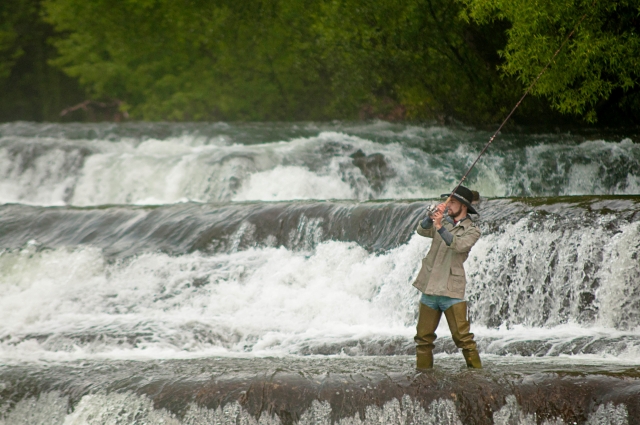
x=459 y=325
x=428 y=320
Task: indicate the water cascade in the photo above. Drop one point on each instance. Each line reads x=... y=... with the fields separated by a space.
x=261 y=273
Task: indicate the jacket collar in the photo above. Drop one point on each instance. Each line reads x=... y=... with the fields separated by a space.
x=464 y=223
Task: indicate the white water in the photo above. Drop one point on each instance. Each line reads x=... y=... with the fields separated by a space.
x=49 y=171
x=565 y=294
x=51 y=409
x=70 y=303
x=544 y=277
x=263 y=300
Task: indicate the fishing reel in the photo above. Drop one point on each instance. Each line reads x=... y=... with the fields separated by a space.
x=431 y=209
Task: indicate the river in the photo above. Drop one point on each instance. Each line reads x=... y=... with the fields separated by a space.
x=261 y=273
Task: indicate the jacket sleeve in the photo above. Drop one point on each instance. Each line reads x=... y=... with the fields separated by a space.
x=446 y=235
x=428 y=233
x=464 y=242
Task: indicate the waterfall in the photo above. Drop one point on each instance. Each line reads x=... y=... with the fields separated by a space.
x=189 y=273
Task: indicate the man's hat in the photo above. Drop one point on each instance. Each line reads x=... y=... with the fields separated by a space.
x=463 y=195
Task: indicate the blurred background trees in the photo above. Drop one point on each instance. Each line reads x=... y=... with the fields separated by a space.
x=467 y=60
x=30 y=88
x=596 y=74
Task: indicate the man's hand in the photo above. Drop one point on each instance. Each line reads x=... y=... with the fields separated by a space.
x=438 y=215
x=439 y=208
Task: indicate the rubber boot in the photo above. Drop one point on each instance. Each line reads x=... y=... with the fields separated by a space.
x=425 y=335
x=472 y=357
x=459 y=325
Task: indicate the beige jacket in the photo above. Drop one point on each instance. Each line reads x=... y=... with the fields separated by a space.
x=442 y=271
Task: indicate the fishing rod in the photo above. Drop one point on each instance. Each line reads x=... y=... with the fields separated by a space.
x=516 y=106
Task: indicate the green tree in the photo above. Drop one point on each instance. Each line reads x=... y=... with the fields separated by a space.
x=600 y=64
x=302 y=59
x=9 y=50
x=30 y=89
x=418 y=54
x=193 y=60
x=276 y=59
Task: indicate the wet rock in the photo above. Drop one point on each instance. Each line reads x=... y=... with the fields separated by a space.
x=374 y=167
x=362 y=390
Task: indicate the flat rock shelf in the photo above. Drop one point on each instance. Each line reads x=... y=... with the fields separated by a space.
x=322 y=390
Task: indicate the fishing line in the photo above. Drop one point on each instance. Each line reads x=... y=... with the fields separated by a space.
x=517 y=104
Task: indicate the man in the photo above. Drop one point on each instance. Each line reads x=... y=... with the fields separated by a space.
x=442 y=279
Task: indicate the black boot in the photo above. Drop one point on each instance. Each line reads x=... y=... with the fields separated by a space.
x=425 y=335
x=459 y=325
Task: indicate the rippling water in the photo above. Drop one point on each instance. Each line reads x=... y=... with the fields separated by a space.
x=151 y=242
x=95 y=164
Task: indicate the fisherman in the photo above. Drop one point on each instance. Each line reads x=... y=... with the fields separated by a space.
x=442 y=279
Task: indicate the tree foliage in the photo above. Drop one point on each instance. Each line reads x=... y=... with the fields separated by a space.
x=282 y=59
x=10 y=51
x=192 y=60
x=601 y=57
x=30 y=89
x=418 y=54
x=313 y=60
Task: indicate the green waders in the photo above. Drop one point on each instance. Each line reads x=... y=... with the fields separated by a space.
x=428 y=320
x=459 y=325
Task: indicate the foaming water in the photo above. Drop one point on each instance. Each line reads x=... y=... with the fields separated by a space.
x=103 y=408
x=201 y=273
x=257 y=300
x=537 y=287
x=552 y=273
x=284 y=183
x=142 y=164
